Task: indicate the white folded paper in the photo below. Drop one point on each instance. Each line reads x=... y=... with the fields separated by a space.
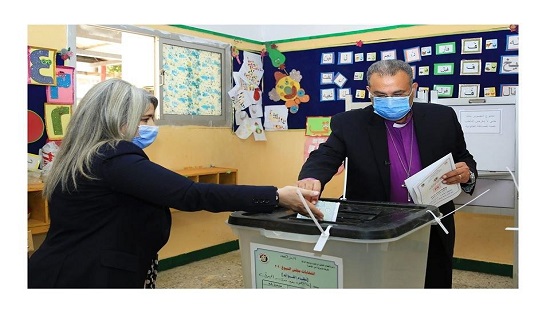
x=329 y=210
x=426 y=187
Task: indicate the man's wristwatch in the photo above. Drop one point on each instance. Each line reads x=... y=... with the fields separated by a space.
x=472 y=177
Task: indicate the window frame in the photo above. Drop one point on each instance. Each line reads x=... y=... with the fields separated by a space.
x=223 y=120
x=162 y=37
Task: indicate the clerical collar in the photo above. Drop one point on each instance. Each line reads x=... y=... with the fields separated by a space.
x=400 y=125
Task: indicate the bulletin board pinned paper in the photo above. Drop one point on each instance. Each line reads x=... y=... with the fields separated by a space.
x=63 y=92
x=41 y=65
x=318 y=126
x=57 y=118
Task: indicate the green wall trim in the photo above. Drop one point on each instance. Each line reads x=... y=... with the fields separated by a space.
x=198 y=255
x=484 y=267
x=324 y=36
x=293 y=39
x=218 y=34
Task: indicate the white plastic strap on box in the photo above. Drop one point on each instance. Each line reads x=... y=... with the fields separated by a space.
x=438 y=220
x=324 y=234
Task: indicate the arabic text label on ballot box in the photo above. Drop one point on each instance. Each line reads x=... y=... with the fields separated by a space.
x=371 y=245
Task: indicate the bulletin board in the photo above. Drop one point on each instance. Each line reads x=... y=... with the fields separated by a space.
x=498 y=50
x=37 y=97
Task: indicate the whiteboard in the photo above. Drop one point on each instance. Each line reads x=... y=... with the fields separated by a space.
x=489 y=130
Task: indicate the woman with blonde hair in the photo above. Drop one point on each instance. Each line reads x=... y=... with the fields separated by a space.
x=109 y=204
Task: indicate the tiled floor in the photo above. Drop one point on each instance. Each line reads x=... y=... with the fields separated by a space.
x=225 y=272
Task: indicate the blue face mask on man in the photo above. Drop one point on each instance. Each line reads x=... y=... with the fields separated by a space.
x=146 y=136
x=392 y=108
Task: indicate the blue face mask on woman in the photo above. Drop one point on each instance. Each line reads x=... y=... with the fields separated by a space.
x=146 y=136
x=392 y=108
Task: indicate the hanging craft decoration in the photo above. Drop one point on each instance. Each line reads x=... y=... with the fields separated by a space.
x=287 y=88
x=66 y=53
x=277 y=58
x=235 y=53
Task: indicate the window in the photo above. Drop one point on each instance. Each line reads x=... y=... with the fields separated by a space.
x=194 y=81
x=190 y=76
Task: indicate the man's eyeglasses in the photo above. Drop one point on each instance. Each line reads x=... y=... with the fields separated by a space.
x=401 y=94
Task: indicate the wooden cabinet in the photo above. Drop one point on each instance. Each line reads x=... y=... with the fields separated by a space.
x=199 y=230
x=39 y=219
x=221 y=175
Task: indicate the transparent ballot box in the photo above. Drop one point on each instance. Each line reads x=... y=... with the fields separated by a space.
x=370 y=245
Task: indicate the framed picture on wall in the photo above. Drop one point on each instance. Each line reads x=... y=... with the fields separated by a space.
x=388 y=54
x=491 y=67
x=444 y=68
x=444 y=91
x=371 y=56
x=327 y=58
x=512 y=42
x=327 y=78
x=343 y=92
x=345 y=57
x=508 y=90
x=424 y=70
x=445 y=48
x=471 y=46
x=509 y=64
x=340 y=79
x=412 y=54
x=426 y=51
x=327 y=94
x=490 y=92
x=468 y=90
x=470 y=67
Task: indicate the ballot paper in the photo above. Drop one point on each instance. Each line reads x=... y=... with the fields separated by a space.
x=329 y=210
x=426 y=187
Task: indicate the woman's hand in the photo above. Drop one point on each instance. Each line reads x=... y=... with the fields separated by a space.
x=289 y=198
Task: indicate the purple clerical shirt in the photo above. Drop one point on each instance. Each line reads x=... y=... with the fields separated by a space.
x=400 y=157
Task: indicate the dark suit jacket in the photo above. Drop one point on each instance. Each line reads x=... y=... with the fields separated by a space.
x=107 y=233
x=361 y=136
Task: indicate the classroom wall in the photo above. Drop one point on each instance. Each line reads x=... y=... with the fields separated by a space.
x=278 y=161
x=282 y=155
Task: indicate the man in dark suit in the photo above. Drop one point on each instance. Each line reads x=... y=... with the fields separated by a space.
x=389 y=141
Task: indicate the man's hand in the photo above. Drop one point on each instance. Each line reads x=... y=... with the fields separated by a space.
x=460 y=175
x=310 y=184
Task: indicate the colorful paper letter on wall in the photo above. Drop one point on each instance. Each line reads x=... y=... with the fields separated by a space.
x=41 y=66
x=57 y=118
x=64 y=91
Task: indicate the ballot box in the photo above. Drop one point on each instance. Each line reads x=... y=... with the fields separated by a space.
x=370 y=245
